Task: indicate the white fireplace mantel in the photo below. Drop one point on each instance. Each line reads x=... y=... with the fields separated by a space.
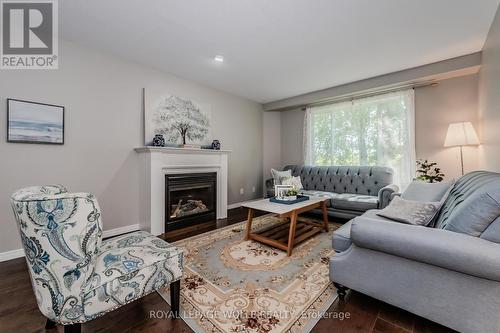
x=156 y=162
x=173 y=150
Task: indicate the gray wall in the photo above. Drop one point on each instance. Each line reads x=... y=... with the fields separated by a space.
x=453 y=100
x=272 y=143
x=103 y=99
x=292 y=133
x=489 y=99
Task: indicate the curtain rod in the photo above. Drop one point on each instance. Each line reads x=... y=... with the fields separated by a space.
x=356 y=96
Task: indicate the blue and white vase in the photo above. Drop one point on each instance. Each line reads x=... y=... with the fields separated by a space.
x=216 y=145
x=159 y=140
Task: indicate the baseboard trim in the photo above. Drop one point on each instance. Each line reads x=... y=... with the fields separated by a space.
x=9 y=255
x=13 y=254
x=120 y=231
x=239 y=204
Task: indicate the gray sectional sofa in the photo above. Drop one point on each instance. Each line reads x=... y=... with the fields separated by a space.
x=352 y=189
x=448 y=273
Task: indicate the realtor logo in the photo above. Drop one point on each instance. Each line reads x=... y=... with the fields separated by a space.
x=29 y=34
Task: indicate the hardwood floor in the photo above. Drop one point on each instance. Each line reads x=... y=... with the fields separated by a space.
x=19 y=311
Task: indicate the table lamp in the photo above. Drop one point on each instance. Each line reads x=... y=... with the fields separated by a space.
x=459 y=135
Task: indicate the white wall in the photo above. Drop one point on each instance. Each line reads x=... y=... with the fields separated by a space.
x=452 y=100
x=489 y=92
x=103 y=99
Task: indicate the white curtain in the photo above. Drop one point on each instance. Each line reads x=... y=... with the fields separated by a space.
x=378 y=130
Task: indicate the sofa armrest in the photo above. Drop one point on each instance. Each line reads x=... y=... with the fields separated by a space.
x=269 y=187
x=443 y=248
x=393 y=195
x=385 y=195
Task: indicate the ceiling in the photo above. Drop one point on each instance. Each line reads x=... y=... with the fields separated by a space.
x=274 y=49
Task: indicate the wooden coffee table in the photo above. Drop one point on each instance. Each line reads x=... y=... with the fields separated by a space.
x=286 y=236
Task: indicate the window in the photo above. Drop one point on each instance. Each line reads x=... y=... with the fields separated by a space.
x=377 y=130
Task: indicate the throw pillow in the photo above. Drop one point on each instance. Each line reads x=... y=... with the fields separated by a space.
x=475 y=214
x=410 y=212
x=492 y=233
x=277 y=175
x=426 y=192
x=294 y=181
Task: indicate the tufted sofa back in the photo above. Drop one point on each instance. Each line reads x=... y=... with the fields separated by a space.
x=61 y=234
x=366 y=180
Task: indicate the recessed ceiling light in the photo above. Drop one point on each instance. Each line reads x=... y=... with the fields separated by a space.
x=219 y=58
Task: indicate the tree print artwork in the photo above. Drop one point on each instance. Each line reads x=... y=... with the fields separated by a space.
x=178 y=119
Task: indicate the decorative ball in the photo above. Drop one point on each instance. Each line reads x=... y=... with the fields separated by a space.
x=216 y=145
x=159 y=140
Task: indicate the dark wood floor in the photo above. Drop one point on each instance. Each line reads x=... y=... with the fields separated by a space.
x=19 y=312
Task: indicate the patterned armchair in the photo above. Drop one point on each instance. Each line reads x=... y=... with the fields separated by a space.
x=76 y=276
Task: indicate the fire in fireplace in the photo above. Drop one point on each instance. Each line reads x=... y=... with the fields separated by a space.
x=190 y=199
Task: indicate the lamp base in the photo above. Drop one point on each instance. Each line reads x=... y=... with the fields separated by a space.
x=462 y=159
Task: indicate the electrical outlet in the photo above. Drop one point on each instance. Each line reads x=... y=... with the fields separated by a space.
x=242 y=191
x=253 y=189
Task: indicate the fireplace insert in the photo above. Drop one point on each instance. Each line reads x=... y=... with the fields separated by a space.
x=189 y=199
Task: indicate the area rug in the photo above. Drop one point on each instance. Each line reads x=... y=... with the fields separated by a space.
x=232 y=285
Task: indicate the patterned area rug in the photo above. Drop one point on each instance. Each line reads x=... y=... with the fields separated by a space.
x=233 y=285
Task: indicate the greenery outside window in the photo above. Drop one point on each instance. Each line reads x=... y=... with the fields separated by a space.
x=378 y=130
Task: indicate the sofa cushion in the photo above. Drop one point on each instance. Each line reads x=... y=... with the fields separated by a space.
x=373 y=214
x=441 y=248
x=321 y=194
x=476 y=214
x=466 y=186
x=132 y=286
x=342 y=236
x=346 y=201
x=131 y=253
x=492 y=233
x=129 y=267
x=341 y=240
x=426 y=192
x=357 y=202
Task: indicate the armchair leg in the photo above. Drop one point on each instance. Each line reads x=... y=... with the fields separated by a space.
x=341 y=291
x=175 y=294
x=75 y=328
x=49 y=324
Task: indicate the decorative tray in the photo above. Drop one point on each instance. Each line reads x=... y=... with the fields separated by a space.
x=300 y=198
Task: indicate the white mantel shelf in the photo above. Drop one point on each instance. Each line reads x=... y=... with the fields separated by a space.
x=148 y=149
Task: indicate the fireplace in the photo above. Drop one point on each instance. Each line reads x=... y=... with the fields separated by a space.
x=189 y=199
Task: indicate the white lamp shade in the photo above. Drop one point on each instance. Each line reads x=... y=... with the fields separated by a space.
x=461 y=134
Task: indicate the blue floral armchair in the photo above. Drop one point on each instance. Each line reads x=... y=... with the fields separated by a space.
x=76 y=276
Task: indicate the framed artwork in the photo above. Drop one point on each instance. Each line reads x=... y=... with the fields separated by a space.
x=180 y=120
x=31 y=122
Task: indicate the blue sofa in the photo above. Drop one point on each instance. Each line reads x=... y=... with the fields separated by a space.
x=352 y=189
x=448 y=273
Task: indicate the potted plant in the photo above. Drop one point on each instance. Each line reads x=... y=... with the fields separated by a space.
x=292 y=194
x=429 y=172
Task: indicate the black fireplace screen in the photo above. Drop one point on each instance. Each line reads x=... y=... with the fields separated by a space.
x=190 y=199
